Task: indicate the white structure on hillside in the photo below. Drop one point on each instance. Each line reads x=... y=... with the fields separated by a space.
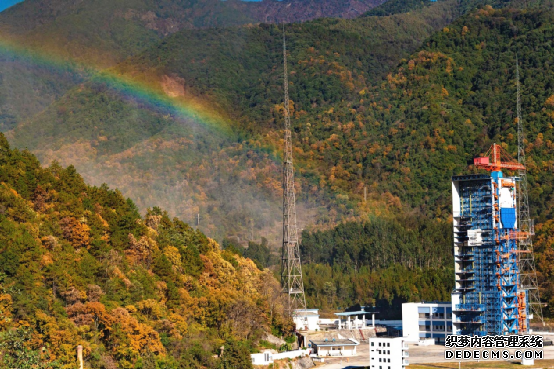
x=264 y=358
x=422 y=320
x=334 y=347
x=267 y=357
x=388 y=352
x=306 y=319
x=352 y=321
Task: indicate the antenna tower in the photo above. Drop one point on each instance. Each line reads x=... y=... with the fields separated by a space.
x=526 y=256
x=291 y=268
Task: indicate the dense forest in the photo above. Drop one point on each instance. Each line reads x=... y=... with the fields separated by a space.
x=382 y=263
x=79 y=265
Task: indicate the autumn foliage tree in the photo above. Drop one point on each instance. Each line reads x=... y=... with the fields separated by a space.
x=79 y=265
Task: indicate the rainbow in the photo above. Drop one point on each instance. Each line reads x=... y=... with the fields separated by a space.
x=151 y=94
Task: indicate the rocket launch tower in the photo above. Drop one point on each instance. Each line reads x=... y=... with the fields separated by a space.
x=487 y=297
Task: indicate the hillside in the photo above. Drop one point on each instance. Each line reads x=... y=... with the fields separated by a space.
x=79 y=265
x=80 y=35
x=437 y=110
x=233 y=178
x=396 y=104
x=103 y=32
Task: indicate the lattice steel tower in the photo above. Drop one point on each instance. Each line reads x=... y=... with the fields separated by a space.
x=291 y=267
x=526 y=257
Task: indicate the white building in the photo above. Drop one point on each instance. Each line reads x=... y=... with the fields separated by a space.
x=421 y=320
x=352 y=321
x=334 y=347
x=264 y=358
x=388 y=352
x=306 y=319
x=267 y=357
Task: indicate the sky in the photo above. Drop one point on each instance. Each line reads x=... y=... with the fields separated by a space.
x=4 y=4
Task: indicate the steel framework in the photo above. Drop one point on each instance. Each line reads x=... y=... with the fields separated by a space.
x=485 y=251
x=291 y=266
x=526 y=257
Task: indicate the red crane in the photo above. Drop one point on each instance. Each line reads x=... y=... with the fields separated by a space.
x=499 y=159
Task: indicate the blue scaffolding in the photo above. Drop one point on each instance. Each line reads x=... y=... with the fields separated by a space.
x=489 y=300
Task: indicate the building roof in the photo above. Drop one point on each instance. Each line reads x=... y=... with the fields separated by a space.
x=321 y=343
x=428 y=303
x=386 y=338
x=471 y=177
x=305 y=313
x=350 y=313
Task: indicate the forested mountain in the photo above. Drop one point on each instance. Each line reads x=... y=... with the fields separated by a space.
x=83 y=35
x=79 y=265
x=396 y=104
x=229 y=175
x=103 y=32
x=441 y=107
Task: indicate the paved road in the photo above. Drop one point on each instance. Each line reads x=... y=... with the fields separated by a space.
x=418 y=355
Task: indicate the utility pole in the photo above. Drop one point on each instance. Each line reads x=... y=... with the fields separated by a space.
x=291 y=267
x=526 y=256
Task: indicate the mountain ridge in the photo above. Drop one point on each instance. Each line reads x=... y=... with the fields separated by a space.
x=209 y=73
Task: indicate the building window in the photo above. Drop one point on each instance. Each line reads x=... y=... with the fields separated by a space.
x=424 y=315
x=388 y=361
x=379 y=344
x=372 y=344
x=266 y=357
x=379 y=359
x=388 y=352
x=379 y=351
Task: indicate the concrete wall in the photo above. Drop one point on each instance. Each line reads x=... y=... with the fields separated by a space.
x=291 y=354
x=310 y=322
x=332 y=351
x=412 y=322
x=328 y=321
x=265 y=358
x=260 y=359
